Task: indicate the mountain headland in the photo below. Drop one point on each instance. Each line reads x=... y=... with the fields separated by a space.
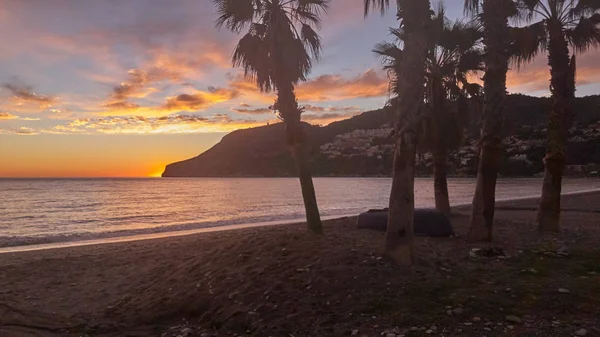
x=361 y=146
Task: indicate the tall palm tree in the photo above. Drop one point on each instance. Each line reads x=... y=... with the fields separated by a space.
x=453 y=55
x=493 y=16
x=276 y=53
x=562 y=24
x=408 y=86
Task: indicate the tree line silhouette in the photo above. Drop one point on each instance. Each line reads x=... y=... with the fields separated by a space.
x=431 y=63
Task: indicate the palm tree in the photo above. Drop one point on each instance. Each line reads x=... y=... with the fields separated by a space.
x=276 y=53
x=493 y=16
x=453 y=55
x=562 y=24
x=408 y=87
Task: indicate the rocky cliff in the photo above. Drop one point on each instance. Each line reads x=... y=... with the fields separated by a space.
x=360 y=146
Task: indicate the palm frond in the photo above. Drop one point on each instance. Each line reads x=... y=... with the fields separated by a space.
x=381 y=5
x=528 y=42
x=472 y=7
x=585 y=8
x=586 y=34
x=311 y=40
x=235 y=14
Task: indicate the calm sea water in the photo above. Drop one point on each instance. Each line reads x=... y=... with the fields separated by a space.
x=66 y=208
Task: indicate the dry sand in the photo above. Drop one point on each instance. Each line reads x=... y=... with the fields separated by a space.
x=284 y=281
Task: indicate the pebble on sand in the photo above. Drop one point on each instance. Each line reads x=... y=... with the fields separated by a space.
x=458 y=311
x=581 y=332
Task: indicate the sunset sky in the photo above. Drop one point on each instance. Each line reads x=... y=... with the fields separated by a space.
x=121 y=88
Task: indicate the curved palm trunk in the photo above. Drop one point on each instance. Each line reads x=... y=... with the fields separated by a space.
x=296 y=140
x=440 y=139
x=562 y=86
x=440 y=183
x=415 y=15
x=490 y=155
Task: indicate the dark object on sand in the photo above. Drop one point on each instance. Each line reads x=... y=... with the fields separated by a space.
x=428 y=222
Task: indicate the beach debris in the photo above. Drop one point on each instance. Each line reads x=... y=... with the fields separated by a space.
x=530 y=271
x=513 y=319
x=458 y=311
x=563 y=251
x=581 y=332
x=488 y=252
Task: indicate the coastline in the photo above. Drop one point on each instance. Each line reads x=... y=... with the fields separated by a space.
x=282 y=280
x=10 y=245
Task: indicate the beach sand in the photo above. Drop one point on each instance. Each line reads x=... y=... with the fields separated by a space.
x=284 y=281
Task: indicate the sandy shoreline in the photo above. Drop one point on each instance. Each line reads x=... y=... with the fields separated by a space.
x=18 y=244
x=282 y=280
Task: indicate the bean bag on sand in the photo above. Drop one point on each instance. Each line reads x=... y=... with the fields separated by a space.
x=428 y=222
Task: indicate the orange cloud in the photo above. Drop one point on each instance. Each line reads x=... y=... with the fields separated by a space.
x=154 y=125
x=315 y=108
x=336 y=87
x=22 y=131
x=199 y=100
x=6 y=116
x=535 y=76
x=328 y=118
x=9 y=116
x=258 y=111
x=323 y=88
x=136 y=86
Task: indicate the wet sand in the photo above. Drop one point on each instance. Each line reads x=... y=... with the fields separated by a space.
x=282 y=281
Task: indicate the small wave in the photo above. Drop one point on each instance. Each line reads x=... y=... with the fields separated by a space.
x=27 y=217
x=133 y=217
x=76 y=206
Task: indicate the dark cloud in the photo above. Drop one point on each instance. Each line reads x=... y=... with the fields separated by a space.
x=199 y=100
x=121 y=105
x=258 y=111
x=25 y=94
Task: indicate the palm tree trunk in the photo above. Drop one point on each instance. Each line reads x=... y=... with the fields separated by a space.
x=562 y=86
x=296 y=140
x=440 y=183
x=439 y=137
x=415 y=16
x=313 y=218
x=400 y=229
x=490 y=155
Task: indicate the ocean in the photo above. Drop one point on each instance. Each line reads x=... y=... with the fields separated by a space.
x=51 y=210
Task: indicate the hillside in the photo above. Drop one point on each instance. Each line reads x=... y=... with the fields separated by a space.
x=359 y=146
